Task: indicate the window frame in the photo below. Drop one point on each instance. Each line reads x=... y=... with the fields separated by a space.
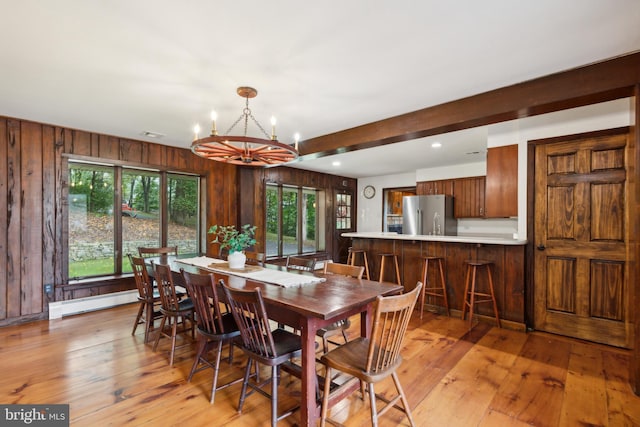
x=118 y=170
x=279 y=190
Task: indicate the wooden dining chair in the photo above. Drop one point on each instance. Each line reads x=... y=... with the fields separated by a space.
x=300 y=263
x=146 y=252
x=341 y=326
x=148 y=297
x=373 y=359
x=174 y=310
x=214 y=327
x=255 y=258
x=261 y=345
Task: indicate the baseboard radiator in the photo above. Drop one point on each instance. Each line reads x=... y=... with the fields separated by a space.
x=60 y=309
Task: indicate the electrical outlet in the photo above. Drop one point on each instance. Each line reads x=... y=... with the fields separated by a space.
x=48 y=288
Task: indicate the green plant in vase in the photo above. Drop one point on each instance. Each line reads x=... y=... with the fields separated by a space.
x=235 y=240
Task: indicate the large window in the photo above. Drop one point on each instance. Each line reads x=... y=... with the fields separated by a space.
x=294 y=218
x=91 y=221
x=96 y=247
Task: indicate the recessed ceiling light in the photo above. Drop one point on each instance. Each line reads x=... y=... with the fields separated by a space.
x=336 y=163
x=436 y=145
x=150 y=134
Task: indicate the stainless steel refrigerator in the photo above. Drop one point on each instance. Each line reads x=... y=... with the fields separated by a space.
x=429 y=215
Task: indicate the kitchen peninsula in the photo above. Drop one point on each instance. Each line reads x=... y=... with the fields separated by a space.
x=507 y=254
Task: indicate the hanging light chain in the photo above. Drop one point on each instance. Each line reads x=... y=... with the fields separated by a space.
x=246 y=113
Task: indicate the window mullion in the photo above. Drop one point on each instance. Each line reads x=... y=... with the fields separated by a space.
x=117 y=216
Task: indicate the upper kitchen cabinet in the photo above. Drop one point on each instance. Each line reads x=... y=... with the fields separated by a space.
x=441 y=186
x=501 y=194
x=469 y=197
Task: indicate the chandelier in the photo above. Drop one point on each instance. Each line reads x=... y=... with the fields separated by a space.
x=244 y=150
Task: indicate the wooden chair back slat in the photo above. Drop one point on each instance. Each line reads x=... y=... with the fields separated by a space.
x=141 y=276
x=250 y=314
x=202 y=290
x=146 y=252
x=355 y=271
x=255 y=258
x=300 y=263
x=392 y=315
x=166 y=288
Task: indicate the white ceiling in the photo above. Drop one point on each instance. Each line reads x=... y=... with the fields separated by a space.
x=123 y=67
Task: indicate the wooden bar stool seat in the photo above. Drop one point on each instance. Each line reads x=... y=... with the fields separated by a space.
x=472 y=296
x=383 y=257
x=431 y=289
x=351 y=260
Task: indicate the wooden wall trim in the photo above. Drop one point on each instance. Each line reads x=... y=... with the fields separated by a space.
x=635 y=251
x=599 y=82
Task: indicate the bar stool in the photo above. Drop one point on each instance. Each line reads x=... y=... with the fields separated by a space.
x=470 y=294
x=351 y=259
x=383 y=257
x=436 y=291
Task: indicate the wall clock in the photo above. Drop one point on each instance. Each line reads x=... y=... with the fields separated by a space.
x=369 y=191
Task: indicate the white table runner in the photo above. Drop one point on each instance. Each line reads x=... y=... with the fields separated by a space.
x=260 y=274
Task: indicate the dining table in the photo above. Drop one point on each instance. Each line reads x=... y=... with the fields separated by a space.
x=304 y=301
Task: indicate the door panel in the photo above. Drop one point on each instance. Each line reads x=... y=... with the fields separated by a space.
x=580 y=268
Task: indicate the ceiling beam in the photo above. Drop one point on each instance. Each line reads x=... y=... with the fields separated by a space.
x=590 y=84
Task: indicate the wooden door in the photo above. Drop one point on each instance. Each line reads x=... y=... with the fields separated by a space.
x=344 y=222
x=581 y=275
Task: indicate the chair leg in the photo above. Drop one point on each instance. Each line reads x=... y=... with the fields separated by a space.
x=202 y=345
x=325 y=397
x=230 y=360
x=138 y=317
x=245 y=382
x=444 y=287
x=493 y=297
x=366 y=265
x=216 y=369
x=372 y=401
x=473 y=295
x=275 y=379
x=174 y=332
x=149 y=321
x=344 y=335
x=395 y=260
x=155 y=344
x=403 y=397
x=425 y=268
x=465 y=294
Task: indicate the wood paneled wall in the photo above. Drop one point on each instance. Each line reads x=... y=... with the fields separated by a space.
x=33 y=198
x=33 y=190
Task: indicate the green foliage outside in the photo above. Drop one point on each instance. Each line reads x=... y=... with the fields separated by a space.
x=290 y=212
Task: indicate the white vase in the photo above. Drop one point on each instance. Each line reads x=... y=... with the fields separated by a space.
x=237 y=260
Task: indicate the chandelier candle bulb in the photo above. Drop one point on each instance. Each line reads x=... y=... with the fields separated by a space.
x=196 y=131
x=296 y=138
x=273 y=128
x=214 y=116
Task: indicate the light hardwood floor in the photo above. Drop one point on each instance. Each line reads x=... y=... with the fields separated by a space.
x=486 y=377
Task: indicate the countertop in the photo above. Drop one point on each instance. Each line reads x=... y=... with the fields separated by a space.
x=489 y=240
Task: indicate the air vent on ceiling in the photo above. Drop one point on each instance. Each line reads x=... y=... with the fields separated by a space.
x=150 y=134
